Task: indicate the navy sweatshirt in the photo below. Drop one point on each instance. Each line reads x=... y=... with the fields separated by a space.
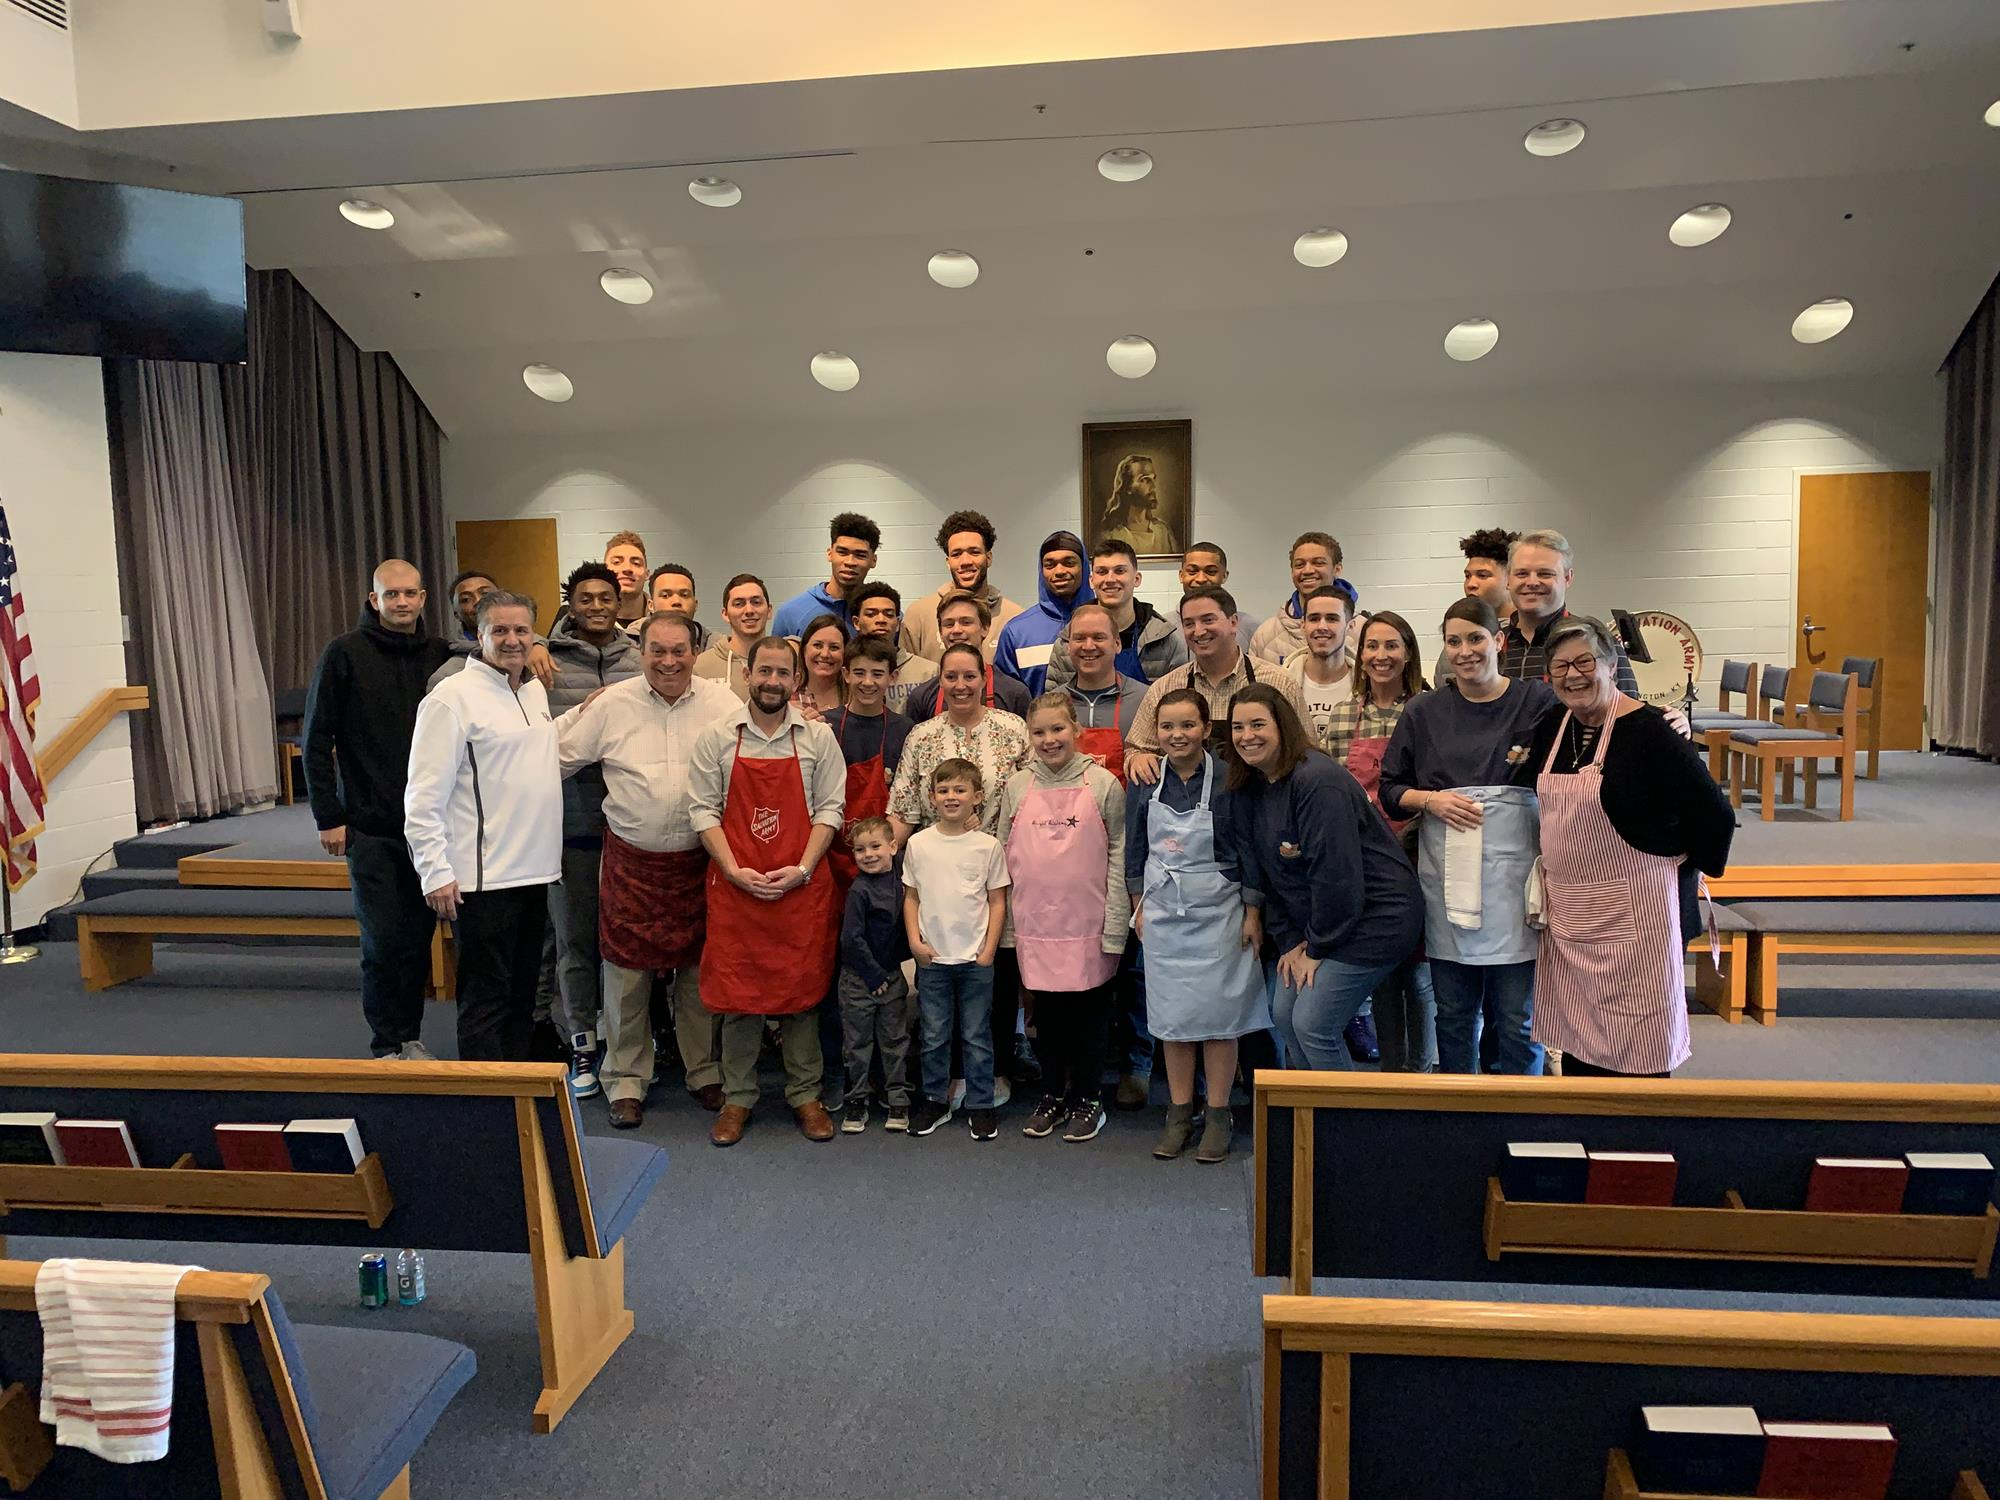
x=873 y=941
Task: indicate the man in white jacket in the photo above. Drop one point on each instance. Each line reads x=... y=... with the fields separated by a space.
x=483 y=815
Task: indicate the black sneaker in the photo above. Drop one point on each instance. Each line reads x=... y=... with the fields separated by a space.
x=899 y=1118
x=929 y=1114
x=854 y=1119
x=1084 y=1122
x=985 y=1123
x=1048 y=1114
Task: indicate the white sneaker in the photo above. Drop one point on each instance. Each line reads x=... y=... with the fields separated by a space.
x=416 y=1052
x=1002 y=1090
x=957 y=1096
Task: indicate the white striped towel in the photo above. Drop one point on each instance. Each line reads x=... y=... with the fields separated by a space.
x=1465 y=875
x=108 y=1355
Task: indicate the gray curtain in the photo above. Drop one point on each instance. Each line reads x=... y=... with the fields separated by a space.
x=205 y=748
x=1965 y=701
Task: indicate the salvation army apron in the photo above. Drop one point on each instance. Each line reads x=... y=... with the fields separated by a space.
x=767 y=958
x=1105 y=744
x=651 y=913
x=867 y=797
x=1475 y=894
x=1364 y=764
x=1201 y=982
x=1058 y=853
x=1610 y=986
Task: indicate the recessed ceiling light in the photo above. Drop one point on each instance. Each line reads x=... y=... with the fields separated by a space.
x=1471 y=339
x=1700 y=225
x=1993 y=114
x=547 y=382
x=367 y=213
x=1124 y=164
x=1554 y=138
x=1319 y=247
x=835 y=371
x=716 y=192
x=1822 y=320
x=1131 y=356
x=954 y=268
x=627 y=286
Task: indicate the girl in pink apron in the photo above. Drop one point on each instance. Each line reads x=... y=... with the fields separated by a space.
x=1062 y=822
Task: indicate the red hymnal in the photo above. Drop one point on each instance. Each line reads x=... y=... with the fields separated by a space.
x=1856 y=1185
x=1827 y=1460
x=253 y=1148
x=96 y=1143
x=1632 y=1177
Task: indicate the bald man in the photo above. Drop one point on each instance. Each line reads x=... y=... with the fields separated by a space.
x=361 y=712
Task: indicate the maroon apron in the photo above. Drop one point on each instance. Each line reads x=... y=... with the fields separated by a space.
x=651 y=914
x=867 y=797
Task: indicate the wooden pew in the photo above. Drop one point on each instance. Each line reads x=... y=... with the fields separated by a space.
x=462 y=1156
x=1367 y=1399
x=1393 y=1177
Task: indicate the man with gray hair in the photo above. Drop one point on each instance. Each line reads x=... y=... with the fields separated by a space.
x=1540 y=567
x=482 y=810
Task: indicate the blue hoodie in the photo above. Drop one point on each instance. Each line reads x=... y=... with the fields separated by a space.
x=1029 y=639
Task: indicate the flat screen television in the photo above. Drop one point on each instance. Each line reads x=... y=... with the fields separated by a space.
x=102 y=268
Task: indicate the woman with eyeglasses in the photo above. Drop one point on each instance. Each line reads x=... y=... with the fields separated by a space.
x=1630 y=821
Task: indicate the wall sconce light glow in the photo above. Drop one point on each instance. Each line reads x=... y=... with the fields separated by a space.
x=1471 y=339
x=835 y=371
x=1319 y=247
x=627 y=286
x=547 y=382
x=954 y=268
x=1822 y=320
x=367 y=213
x=1124 y=164
x=1700 y=225
x=1554 y=138
x=716 y=192
x=1131 y=356
x=1993 y=114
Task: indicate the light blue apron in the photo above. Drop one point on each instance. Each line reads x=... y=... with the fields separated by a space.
x=1201 y=982
x=1511 y=834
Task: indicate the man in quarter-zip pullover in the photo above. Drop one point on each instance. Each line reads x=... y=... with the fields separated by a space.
x=482 y=810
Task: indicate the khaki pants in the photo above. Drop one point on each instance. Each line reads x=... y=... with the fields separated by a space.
x=627 y=1020
x=798 y=1044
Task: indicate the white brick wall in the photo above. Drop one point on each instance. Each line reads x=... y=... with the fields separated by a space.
x=1675 y=499
x=55 y=478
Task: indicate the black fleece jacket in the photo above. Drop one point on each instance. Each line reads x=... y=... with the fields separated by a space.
x=361 y=711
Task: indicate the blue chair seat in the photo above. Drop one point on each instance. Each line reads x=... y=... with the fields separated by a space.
x=1715 y=718
x=621 y=1174
x=376 y=1394
x=1757 y=734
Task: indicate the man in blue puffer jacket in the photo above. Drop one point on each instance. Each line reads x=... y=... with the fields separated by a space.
x=1029 y=639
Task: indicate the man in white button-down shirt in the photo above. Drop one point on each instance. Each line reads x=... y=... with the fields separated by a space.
x=651 y=912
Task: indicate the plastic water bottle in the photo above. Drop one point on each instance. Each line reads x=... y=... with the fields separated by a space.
x=409 y=1277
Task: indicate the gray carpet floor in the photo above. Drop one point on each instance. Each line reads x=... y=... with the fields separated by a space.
x=1922 y=809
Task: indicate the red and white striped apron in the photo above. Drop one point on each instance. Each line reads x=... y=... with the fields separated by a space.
x=1609 y=983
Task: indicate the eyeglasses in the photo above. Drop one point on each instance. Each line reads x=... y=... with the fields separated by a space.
x=1581 y=666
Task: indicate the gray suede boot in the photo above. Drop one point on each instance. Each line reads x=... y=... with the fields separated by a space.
x=1179 y=1129
x=1216 y=1131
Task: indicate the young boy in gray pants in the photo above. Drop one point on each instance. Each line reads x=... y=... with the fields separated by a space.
x=875 y=1006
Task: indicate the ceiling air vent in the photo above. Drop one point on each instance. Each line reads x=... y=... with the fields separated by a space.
x=54 y=12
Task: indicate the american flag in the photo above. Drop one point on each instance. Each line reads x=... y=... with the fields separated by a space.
x=21 y=798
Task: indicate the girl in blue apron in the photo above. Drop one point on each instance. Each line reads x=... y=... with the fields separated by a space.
x=1204 y=981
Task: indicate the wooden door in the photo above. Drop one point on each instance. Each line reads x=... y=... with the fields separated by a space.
x=1864 y=584
x=519 y=556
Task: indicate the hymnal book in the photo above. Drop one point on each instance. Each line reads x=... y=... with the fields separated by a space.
x=28 y=1139
x=1544 y=1172
x=1827 y=1460
x=1701 y=1450
x=324 y=1145
x=1856 y=1185
x=256 y=1147
x=1948 y=1182
x=96 y=1143
x=1632 y=1177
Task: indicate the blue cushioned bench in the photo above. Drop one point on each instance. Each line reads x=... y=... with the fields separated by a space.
x=460 y=1156
x=1933 y=926
x=1725 y=991
x=263 y=1406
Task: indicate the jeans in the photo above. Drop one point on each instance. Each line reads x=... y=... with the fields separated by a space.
x=499 y=936
x=396 y=930
x=573 y=915
x=1074 y=1027
x=798 y=1045
x=1129 y=988
x=1463 y=992
x=957 y=999
x=1406 y=1018
x=1311 y=1019
x=876 y=1027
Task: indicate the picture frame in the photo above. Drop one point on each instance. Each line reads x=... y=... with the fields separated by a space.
x=1125 y=466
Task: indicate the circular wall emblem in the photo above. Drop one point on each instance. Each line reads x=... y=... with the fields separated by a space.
x=1676 y=653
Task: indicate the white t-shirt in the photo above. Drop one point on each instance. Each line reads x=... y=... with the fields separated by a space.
x=1322 y=699
x=951 y=874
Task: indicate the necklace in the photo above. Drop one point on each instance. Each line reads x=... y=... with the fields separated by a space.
x=1582 y=740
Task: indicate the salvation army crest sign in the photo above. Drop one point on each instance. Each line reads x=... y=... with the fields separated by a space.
x=764 y=823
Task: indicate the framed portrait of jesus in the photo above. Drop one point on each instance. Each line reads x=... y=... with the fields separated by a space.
x=1138 y=485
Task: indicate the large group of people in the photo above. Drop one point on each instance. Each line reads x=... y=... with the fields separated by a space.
x=1101 y=832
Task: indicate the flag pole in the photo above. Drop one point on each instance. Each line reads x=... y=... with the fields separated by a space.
x=11 y=952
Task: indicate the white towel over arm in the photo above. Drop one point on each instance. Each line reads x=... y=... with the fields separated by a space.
x=108 y=1355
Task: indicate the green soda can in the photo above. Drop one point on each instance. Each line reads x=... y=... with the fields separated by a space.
x=374 y=1281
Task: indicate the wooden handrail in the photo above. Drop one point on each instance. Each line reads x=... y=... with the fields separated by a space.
x=203 y=1296
x=84 y=728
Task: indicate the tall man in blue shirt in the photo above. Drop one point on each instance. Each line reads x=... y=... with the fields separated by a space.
x=850 y=554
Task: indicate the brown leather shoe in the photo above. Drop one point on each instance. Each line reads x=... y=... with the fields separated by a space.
x=815 y=1124
x=729 y=1125
x=627 y=1114
x=708 y=1096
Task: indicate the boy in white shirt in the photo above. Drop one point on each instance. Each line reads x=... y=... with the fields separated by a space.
x=954 y=903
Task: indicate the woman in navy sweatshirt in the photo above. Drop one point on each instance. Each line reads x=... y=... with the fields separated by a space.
x=1339 y=898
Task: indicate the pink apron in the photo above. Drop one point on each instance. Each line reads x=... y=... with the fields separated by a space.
x=1609 y=984
x=1058 y=853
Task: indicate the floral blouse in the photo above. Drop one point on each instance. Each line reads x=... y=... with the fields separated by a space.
x=997 y=744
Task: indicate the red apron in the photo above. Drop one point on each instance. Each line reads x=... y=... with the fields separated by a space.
x=1106 y=747
x=1364 y=764
x=867 y=797
x=650 y=910
x=767 y=958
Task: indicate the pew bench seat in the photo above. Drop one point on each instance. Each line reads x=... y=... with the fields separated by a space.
x=371 y=1396
x=1931 y=927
